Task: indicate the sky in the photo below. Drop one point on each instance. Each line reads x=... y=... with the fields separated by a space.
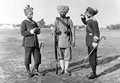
x=11 y=11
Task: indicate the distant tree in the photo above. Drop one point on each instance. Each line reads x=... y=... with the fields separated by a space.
x=113 y=27
x=79 y=27
x=16 y=25
x=41 y=23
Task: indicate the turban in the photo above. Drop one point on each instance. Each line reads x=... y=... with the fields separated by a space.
x=28 y=9
x=63 y=9
x=92 y=11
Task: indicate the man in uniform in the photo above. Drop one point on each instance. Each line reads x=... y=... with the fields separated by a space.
x=29 y=31
x=66 y=37
x=92 y=37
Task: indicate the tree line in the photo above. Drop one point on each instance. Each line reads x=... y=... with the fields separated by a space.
x=113 y=27
x=41 y=23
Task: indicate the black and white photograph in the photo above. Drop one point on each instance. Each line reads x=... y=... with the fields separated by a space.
x=60 y=41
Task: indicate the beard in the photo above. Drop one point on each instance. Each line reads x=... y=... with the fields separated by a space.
x=63 y=15
x=30 y=18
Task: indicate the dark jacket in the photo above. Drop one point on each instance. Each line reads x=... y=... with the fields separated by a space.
x=92 y=30
x=29 y=40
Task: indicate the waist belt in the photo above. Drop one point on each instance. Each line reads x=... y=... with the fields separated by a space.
x=89 y=34
x=59 y=33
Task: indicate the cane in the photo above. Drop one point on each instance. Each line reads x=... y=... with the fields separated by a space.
x=86 y=58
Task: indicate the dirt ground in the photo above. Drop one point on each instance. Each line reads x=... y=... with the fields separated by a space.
x=12 y=69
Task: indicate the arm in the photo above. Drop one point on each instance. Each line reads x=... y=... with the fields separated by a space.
x=55 y=28
x=73 y=31
x=83 y=18
x=95 y=31
x=24 y=31
x=55 y=31
x=37 y=31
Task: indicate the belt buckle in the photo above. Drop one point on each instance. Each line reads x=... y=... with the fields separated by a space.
x=89 y=33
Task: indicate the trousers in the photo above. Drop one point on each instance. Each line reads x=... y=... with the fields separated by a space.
x=92 y=57
x=35 y=51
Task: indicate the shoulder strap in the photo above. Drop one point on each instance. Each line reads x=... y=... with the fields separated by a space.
x=65 y=24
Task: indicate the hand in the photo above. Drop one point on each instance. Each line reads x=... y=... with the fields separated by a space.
x=37 y=31
x=32 y=31
x=73 y=44
x=82 y=15
x=94 y=44
x=95 y=39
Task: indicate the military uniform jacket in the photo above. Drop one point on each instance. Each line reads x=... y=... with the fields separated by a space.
x=92 y=30
x=63 y=38
x=29 y=40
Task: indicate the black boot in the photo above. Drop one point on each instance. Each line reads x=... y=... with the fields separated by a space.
x=28 y=71
x=93 y=74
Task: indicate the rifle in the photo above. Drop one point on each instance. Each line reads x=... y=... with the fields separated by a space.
x=55 y=49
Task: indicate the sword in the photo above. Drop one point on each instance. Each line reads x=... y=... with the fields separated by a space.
x=86 y=58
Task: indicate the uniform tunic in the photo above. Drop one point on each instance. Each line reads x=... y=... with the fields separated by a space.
x=92 y=30
x=64 y=41
x=29 y=40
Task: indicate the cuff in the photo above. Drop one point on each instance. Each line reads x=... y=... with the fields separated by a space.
x=95 y=37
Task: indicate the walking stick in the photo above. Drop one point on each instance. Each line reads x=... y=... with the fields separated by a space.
x=86 y=58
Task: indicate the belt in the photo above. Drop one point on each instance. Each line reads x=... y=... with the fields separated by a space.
x=89 y=33
x=59 y=33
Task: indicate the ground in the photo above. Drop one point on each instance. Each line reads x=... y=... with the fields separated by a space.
x=12 y=69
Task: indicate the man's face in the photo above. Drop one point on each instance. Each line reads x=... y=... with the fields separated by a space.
x=62 y=14
x=29 y=15
x=88 y=15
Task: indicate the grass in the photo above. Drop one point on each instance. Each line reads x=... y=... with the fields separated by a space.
x=12 y=57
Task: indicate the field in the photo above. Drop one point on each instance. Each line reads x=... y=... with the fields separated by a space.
x=12 y=68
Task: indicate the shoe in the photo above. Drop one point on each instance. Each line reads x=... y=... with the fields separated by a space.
x=92 y=76
x=62 y=72
x=68 y=73
x=30 y=74
x=36 y=72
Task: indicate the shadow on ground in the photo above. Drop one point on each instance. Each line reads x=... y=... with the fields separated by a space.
x=80 y=65
x=110 y=70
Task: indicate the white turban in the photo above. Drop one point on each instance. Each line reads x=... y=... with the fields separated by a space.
x=62 y=9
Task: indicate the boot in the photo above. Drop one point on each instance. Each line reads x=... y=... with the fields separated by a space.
x=28 y=71
x=93 y=74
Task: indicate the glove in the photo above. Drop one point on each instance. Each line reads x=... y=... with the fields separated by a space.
x=37 y=31
x=82 y=16
x=94 y=44
x=73 y=44
x=95 y=39
x=32 y=31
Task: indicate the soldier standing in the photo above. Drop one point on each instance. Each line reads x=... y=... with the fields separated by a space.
x=66 y=38
x=92 y=37
x=29 y=31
